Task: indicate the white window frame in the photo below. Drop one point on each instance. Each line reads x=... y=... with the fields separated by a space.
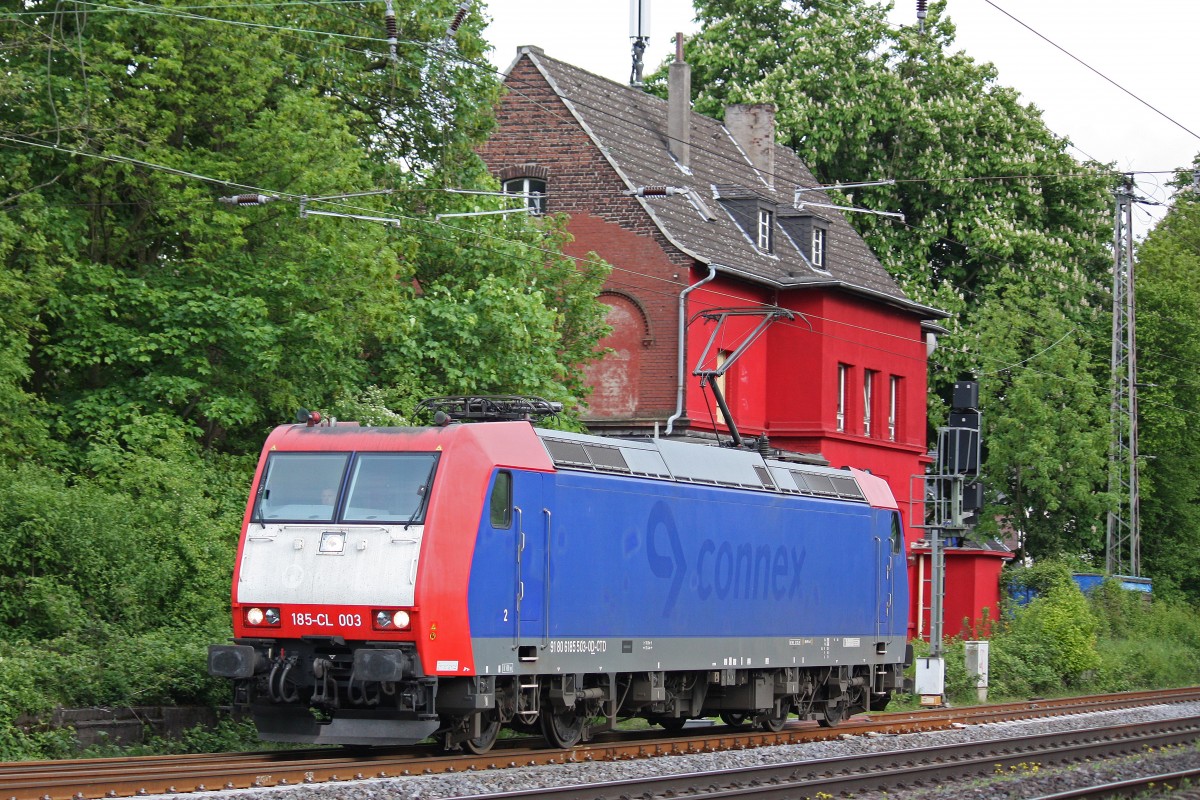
x=535 y=197
x=893 y=406
x=868 y=386
x=766 y=228
x=818 y=247
x=841 y=397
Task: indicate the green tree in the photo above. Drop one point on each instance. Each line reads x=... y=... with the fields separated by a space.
x=1003 y=228
x=142 y=297
x=1046 y=434
x=152 y=334
x=503 y=313
x=1168 y=300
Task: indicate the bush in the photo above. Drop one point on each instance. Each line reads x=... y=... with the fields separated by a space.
x=113 y=583
x=1062 y=641
x=75 y=551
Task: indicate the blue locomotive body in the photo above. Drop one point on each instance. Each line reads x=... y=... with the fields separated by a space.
x=780 y=588
x=620 y=556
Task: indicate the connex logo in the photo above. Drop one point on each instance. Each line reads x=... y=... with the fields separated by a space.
x=724 y=570
x=745 y=572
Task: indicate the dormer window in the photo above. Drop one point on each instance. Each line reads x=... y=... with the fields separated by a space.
x=766 y=230
x=809 y=234
x=754 y=215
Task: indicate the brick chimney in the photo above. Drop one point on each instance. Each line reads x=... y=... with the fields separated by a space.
x=679 y=106
x=752 y=126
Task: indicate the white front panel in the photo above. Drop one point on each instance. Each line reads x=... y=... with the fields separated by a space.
x=330 y=564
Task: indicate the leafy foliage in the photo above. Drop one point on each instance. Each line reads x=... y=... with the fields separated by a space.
x=1057 y=640
x=111 y=587
x=152 y=334
x=147 y=542
x=1168 y=262
x=139 y=295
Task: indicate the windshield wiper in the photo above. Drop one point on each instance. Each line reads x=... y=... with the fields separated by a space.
x=263 y=494
x=424 y=491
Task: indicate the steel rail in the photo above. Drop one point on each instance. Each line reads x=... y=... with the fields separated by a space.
x=123 y=777
x=1132 y=787
x=894 y=770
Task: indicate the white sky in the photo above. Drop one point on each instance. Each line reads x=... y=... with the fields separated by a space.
x=1150 y=47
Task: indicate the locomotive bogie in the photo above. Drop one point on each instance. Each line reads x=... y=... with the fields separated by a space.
x=455 y=580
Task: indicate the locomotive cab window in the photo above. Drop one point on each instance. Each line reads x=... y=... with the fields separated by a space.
x=501 y=500
x=897 y=534
x=389 y=487
x=300 y=486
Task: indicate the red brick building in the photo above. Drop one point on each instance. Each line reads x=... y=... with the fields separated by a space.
x=703 y=221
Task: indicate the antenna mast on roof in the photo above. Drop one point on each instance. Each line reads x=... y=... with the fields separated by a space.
x=639 y=31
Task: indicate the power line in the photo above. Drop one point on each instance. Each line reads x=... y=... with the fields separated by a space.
x=1083 y=63
x=401 y=218
x=416 y=220
x=438 y=49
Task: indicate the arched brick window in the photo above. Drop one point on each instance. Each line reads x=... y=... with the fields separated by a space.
x=529 y=180
x=616 y=380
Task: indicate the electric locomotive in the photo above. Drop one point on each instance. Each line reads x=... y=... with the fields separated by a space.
x=395 y=584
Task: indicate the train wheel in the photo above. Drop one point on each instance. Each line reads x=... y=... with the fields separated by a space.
x=835 y=713
x=734 y=719
x=562 y=729
x=672 y=724
x=485 y=740
x=774 y=721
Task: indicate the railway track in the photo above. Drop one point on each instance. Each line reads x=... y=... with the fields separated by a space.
x=1166 y=783
x=886 y=772
x=95 y=778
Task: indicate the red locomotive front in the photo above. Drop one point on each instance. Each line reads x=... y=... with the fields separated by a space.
x=349 y=592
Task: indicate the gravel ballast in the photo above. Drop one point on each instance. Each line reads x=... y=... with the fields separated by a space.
x=1031 y=781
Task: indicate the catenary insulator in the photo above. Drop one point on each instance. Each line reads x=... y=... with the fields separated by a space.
x=248 y=199
x=463 y=8
x=655 y=191
x=389 y=20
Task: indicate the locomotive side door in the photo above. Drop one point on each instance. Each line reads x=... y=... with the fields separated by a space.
x=889 y=542
x=532 y=519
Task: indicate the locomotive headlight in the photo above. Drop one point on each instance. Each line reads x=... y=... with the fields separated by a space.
x=391 y=620
x=268 y=617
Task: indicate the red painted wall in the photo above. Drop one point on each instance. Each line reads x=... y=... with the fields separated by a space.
x=972 y=585
x=536 y=131
x=786 y=383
